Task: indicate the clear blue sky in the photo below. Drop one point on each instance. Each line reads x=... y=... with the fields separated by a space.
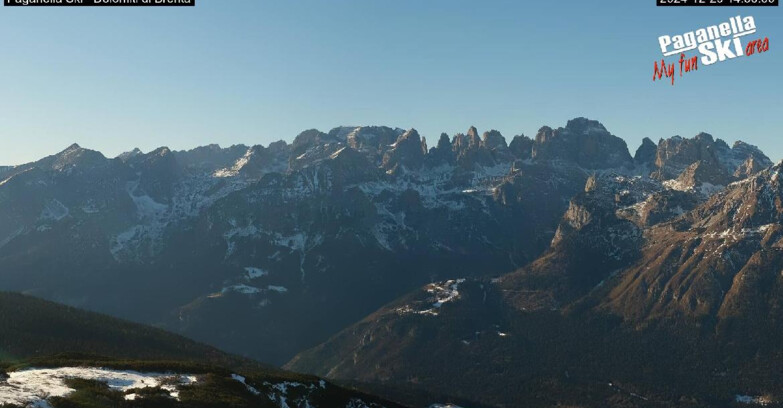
x=255 y=71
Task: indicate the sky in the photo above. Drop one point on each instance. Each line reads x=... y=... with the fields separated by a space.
x=257 y=71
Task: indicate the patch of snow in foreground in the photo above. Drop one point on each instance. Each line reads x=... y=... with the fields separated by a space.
x=747 y=399
x=32 y=387
x=444 y=406
x=279 y=393
x=357 y=403
x=243 y=380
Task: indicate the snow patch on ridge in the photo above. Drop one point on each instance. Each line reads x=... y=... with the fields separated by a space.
x=442 y=293
x=244 y=289
x=146 y=207
x=252 y=272
x=296 y=242
x=153 y=218
x=233 y=171
x=243 y=380
x=706 y=189
x=248 y=290
x=190 y=196
x=445 y=293
x=279 y=393
x=739 y=233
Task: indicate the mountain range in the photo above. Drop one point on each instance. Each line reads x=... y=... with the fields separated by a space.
x=537 y=270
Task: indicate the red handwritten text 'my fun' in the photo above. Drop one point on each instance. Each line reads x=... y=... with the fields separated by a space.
x=686 y=65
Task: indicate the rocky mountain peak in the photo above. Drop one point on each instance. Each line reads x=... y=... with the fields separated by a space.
x=676 y=153
x=645 y=154
x=584 y=142
x=124 y=157
x=470 y=140
x=161 y=160
x=444 y=142
x=341 y=133
x=705 y=137
x=742 y=151
x=161 y=151
x=278 y=146
x=544 y=135
x=746 y=148
x=584 y=125
x=73 y=150
x=496 y=144
x=408 y=151
x=473 y=133
x=442 y=152
x=308 y=139
x=373 y=140
x=410 y=135
x=75 y=155
x=260 y=160
x=521 y=147
x=211 y=157
x=470 y=151
x=493 y=140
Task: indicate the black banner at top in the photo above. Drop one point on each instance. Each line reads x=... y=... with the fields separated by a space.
x=708 y=3
x=95 y=3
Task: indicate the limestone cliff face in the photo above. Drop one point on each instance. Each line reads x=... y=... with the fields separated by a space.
x=583 y=141
x=407 y=152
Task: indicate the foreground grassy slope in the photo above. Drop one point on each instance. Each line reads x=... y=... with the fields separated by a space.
x=31 y=327
x=38 y=333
